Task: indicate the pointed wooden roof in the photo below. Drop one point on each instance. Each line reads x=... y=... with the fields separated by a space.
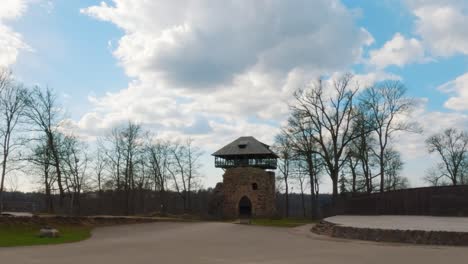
x=245 y=146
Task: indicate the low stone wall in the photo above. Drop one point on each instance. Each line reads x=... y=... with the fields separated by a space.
x=387 y=235
x=70 y=220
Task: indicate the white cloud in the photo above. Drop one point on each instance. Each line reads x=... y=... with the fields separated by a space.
x=200 y=44
x=11 y=42
x=370 y=78
x=214 y=69
x=458 y=89
x=12 y=9
x=412 y=145
x=442 y=25
x=219 y=71
x=398 y=51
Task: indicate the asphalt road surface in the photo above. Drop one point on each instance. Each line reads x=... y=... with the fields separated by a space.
x=225 y=243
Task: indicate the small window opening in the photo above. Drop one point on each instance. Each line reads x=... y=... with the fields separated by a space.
x=242 y=144
x=254 y=186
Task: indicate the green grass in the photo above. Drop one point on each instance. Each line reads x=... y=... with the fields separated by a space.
x=27 y=235
x=285 y=222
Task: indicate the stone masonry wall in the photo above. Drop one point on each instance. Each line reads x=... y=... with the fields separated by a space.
x=237 y=182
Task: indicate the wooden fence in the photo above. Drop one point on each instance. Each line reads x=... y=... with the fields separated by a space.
x=437 y=201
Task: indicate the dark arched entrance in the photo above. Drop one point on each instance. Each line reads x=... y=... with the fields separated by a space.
x=245 y=207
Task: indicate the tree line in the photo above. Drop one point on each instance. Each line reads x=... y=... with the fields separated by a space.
x=127 y=160
x=346 y=132
x=335 y=129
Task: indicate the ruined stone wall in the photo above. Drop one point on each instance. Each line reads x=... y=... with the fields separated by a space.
x=237 y=182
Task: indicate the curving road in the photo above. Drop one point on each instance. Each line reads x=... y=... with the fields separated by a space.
x=224 y=243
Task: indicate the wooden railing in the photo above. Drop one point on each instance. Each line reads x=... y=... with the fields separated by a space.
x=245 y=162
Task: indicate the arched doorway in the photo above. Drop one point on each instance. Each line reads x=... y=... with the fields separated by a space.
x=245 y=207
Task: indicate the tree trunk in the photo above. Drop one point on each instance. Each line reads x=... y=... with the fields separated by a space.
x=353 y=172
x=313 y=205
x=334 y=177
x=6 y=144
x=303 y=202
x=57 y=168
x=287 y=197
x=163 y=201
x=382 y=171
x=2 y=182
x=48 y=196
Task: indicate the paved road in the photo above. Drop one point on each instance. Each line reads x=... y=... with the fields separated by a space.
x=225 y=243
x=401 y=222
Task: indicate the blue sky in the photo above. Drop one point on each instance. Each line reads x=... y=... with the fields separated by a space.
x=183 y=67
x=71 y=52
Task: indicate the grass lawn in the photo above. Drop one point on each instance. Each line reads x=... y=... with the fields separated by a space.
x=27 y=235
x=285 y=222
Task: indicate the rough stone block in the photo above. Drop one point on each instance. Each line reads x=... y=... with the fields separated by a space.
x=49 y=232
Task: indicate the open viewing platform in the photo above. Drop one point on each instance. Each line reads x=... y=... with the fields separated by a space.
x=246 y=152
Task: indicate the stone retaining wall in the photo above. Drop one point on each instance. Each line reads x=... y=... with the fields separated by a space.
x=69 y=220
x=387 y=235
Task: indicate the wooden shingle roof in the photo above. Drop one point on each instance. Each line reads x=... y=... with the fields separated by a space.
x=245 y=146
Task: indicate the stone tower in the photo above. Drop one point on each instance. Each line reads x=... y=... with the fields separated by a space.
x=248 y=187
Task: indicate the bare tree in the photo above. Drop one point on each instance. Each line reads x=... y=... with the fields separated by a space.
x=132 y=143
x=111 y=146
x=361 y=159
x=393 y=166
x=99 y=166
x=299 y=132
x=452 y=148
x=13 y=183
x=386 y=104
x=299 y=172
x=285 y=150
x=6 y=78
x=435 y=177
x=41 y=160
x=44 y=114
x=75 y=161
x=122 y=149
x=184 y=170
x=330 y=114
x=12 y=105
x=158 y=159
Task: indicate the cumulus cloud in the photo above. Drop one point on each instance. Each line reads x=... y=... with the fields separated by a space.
x=12 y=9
x=458 y=90
x=221 y=69
x=398 y=51
x=200 y=44
x=370 y=78
x=442 y=25
x=11 y=42
x=412 y=145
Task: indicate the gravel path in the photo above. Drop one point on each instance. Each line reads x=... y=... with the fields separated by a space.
x=423 y=223
x=225 y=243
